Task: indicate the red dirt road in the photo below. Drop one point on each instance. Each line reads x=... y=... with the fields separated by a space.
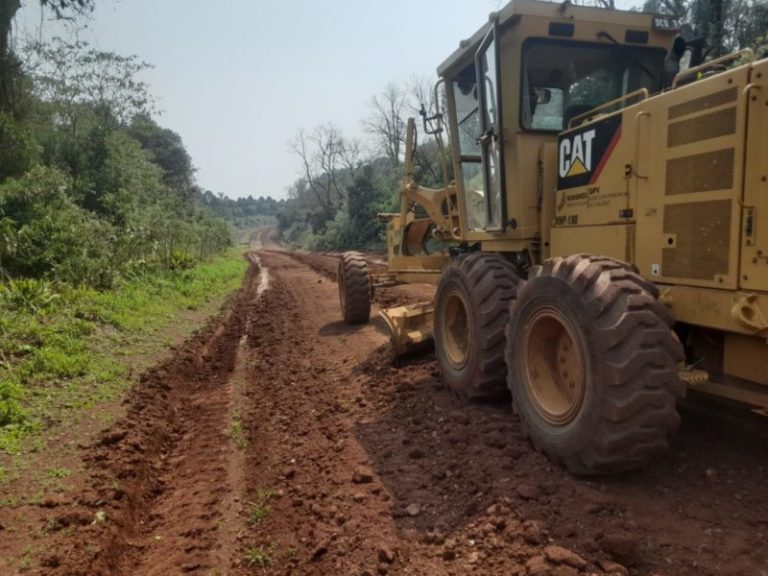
x=281 y=441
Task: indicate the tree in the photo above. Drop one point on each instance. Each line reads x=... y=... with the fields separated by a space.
x=361 y=208
x=725 y=25
x=385 y=122
x=166 y=149
x=9 y=62
x=85 y=95
x=420 y=92
x=78 y=78
x=323 y=153
x=752 y=27
x=7 y=240
x=66 y=9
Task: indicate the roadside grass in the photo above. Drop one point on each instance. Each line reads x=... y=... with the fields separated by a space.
x=258 y=556
x=237 y=432
x=28 y=555
x=65 y=349
x=58 y=473
x=259 y=508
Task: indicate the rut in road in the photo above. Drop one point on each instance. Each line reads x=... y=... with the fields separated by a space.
x=347 y=465
x=167 y=478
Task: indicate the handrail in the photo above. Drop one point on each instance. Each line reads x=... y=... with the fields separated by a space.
x=641 y=92
x=701 y=67
x=748 y=88
x=636 y=168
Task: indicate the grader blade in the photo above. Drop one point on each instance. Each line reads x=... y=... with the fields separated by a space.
x=410 y=327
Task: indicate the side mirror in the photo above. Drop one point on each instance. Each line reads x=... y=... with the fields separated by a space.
x=435 y=119
x=427 y=120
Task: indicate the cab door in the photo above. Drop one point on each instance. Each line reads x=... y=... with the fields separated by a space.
x=491 y=132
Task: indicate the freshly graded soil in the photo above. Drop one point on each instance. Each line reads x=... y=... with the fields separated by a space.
x=281 y=441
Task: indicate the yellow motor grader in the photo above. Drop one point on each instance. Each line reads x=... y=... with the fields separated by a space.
x=602 y=244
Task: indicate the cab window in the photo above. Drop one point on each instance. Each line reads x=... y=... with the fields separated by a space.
x=562 y=80
x=468 y=131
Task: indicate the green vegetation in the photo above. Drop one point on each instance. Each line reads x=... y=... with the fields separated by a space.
x=95 y=190
x=105 y=237
x=61 y=347
x=259 y=508
x=725 y=26
x=333 y=205
x=58 y=472
x=237 y=433
x=243 y=214
x=258 y=557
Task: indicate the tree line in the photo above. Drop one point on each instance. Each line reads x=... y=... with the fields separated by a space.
x=344 y=181
x=92 y=188
x=244 y=215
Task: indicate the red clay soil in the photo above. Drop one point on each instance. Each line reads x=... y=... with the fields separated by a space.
x=281 y=441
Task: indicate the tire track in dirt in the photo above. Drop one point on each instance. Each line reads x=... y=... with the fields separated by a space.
x=328 y=514
x=451 y=488
x=198 y=521
x=166 y=478
x=348 y=465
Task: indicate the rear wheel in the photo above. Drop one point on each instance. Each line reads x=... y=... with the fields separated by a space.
x=592 y=364
x=354 y=288
x=471 y=312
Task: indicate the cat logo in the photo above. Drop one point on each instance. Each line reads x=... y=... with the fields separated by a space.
x=576 y=154
x=582 y=153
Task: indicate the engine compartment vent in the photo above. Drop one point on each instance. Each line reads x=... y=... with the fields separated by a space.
x=700 y=172
x=703 y=239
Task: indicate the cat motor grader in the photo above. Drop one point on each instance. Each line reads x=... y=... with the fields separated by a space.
x=603 y=243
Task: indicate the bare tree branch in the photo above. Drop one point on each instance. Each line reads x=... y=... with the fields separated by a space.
x=386 y=123
x=324 y=152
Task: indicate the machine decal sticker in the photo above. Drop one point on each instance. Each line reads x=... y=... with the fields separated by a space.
x=583 y=153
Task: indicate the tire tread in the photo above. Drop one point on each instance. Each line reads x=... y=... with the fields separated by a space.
x=353 y=272
x=639 y=355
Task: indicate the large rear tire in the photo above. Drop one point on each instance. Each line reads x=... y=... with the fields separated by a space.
x=593 y=364
x=354 y=288
x=471 y=312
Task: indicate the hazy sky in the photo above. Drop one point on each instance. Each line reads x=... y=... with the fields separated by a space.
x=238 y=78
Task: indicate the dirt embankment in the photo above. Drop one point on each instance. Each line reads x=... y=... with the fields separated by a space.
x=281 y=441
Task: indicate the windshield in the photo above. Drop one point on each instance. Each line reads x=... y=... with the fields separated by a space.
x=562 y=80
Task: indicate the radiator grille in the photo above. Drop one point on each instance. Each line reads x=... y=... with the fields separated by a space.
x=699 y=104
x=702 y=127
x=700 y=172
x=703 y=231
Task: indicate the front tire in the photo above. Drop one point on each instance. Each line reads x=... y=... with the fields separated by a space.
x=593 y=364
x=354 y=288
x=471 y=312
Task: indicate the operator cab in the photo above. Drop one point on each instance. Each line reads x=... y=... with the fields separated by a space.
x=522 y=79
